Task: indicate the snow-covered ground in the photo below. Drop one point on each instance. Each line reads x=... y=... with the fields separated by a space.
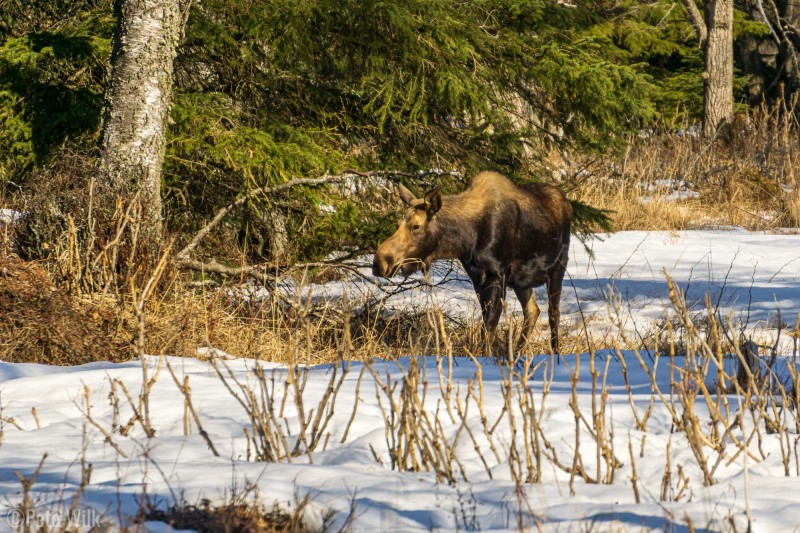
x=9 y=217
x=620 y=281
x=750 y=273
x=754 y=276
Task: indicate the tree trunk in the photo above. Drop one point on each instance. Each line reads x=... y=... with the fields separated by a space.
x=137 y=103
x=278 y=235
x=783 y=17
x=718 y=73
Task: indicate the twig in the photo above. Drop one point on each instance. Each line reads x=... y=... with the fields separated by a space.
x=187 y=394
x=634 y=478
x=100 y=428
x=183 y=255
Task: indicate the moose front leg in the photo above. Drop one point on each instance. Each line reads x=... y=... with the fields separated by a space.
x=491 y=295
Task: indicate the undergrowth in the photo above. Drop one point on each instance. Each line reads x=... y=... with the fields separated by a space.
x=86 y=288
x=673 y=179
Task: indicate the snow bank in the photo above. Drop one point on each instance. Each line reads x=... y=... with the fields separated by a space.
x=170 y=466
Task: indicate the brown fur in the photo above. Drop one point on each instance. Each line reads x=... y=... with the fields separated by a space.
x=504 y=235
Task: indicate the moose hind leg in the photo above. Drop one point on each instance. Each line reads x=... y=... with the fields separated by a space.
x=554 y=284
x=530 y=314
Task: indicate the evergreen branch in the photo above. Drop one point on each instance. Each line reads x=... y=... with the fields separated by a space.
x=588 y=219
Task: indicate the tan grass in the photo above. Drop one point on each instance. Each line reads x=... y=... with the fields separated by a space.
x=41 y=322
x=746 y=176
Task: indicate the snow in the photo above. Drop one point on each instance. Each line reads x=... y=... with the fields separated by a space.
x=747 y=273
x=674 y=196
x=9 y=217
x=751 y=275
x=754 y=275
x=668 y=190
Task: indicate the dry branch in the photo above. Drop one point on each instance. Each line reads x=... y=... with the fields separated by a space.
x=88 y=414
x=183 y=255
x=696 y=18
x=189 y=406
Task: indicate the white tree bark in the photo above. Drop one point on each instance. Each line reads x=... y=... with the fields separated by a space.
x=137 y=104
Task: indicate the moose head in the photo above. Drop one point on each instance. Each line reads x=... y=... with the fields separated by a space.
x=413 y=245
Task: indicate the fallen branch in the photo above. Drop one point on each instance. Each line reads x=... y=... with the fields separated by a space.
x=183 y=255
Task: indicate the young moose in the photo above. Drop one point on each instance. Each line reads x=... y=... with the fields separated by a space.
x=505 y=236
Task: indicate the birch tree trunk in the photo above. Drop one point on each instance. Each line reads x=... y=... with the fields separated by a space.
x=718 y=71
x=137 y=103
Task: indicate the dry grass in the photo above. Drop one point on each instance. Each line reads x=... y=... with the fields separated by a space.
x=240 y=517
x=268 y=331
x=41 y=322
x=746 y=176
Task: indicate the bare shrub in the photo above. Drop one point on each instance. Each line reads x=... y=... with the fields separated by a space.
x=242 y=512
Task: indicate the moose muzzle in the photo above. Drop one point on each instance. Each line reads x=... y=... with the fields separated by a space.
x=383 y=265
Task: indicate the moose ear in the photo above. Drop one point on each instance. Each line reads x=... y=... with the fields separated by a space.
x=404 y=194
x=433 y=201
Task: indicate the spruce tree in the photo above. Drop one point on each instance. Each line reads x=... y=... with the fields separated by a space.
x=270 y=90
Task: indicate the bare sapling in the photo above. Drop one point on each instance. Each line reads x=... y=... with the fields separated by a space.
x=488 y=429
x=577 y=461
x=536 y=437
x=27 y=506
x=7 y=420
x=666 y=479
x=462 y=409
x=356 y=403
x=140 y=298
x=445 y=386
x=527 y=408
x=640 y=421
x=634 y=477
x=510 y=390
x=265 y=403
x=760 y=394
x=615 y=311
x=189 y=409
x=415 y=438
x=603 y=429
x=106 y=434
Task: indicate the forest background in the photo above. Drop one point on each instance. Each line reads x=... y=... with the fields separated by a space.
x=603 y=98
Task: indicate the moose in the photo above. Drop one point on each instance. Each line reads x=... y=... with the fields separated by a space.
x=503 y=234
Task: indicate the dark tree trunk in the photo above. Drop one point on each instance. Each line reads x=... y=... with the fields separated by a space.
x=138 y=99
x=783 y=18
x=718 y=72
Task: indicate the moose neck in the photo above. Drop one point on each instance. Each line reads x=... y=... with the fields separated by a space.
x=454 y=230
